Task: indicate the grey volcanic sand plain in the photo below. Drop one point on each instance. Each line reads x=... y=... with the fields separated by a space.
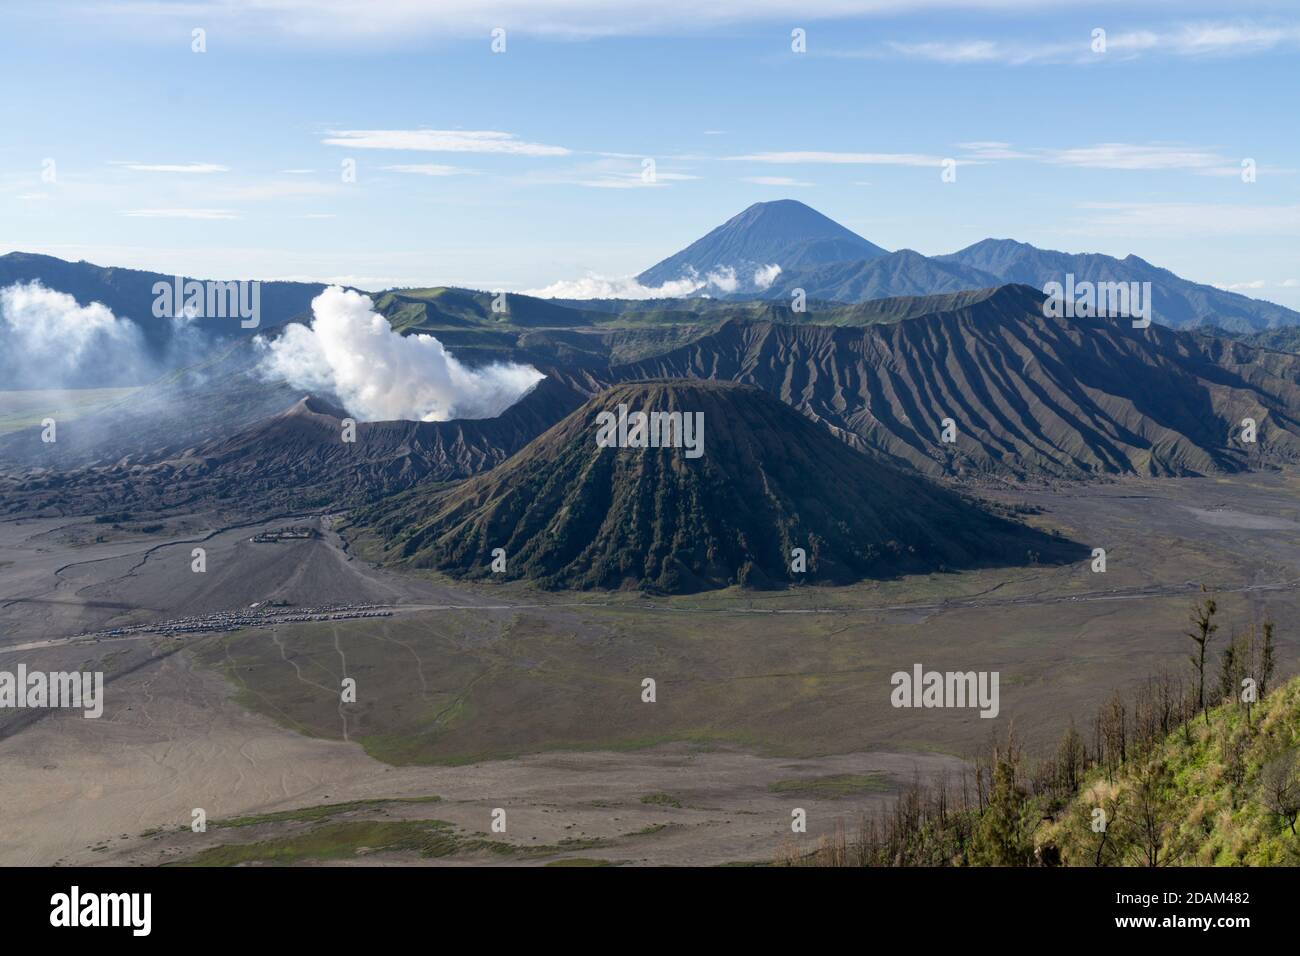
x=80 y=791
x=531 y=703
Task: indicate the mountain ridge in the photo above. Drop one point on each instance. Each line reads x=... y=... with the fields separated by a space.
x=837 y=275
x=1032 y=396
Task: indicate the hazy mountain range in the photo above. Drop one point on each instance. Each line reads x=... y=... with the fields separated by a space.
x=756 y=260
x=830 y=262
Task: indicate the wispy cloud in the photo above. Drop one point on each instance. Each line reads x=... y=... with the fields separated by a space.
x=348 y=23
x=181 y=214
x=1187 y=40
x=988 y=151
x=427 y=169
x=189 y=168
x=441 y=141
x=1256 y=285
x=612 y=171
x=775 y=181
x=1130 y=156
x=864 y=159
x=634 y=180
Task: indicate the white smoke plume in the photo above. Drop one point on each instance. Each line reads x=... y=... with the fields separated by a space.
x=47 y=341
x=380 y=375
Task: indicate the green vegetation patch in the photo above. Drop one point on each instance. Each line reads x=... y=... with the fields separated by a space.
x=337 y=841
x=322 y=812
x=833 y=787
x=662 y=800
x=580 y=861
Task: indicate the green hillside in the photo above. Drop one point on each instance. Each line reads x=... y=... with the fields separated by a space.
x=1153 y=780
x=1224 y=793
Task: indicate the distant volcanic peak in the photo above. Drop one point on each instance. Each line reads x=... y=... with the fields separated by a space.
x=568 y=512
x=795 y=222
x=784 y=233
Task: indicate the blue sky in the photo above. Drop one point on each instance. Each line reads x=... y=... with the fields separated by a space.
x=519 y=169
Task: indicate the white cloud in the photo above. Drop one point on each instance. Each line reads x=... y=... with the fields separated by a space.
x=1201 y=160
x=961 y=51
x=632 y=180
x=724 y=279
x=380 y=375
x=1188 y=39
x=427 y=169
x=1129 y=156
x=764 y=277
x=863 y=159
x=1256 y=284
x=991 y=150
x=627 y=287
x=440 y=141
x=775 y=181
x=611 y=171
x=195 y=168
x=348 y=24
x=1218 y=38
x=181 y=214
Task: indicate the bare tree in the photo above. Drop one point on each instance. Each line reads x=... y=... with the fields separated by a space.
x=1152 y=826
x=1204 y=628
x=1279 y=787
x=1266 y=659
x=1114 y=733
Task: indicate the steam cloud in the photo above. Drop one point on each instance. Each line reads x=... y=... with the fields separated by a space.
x=49 y=341
x=723 y=279
x=380 y=375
